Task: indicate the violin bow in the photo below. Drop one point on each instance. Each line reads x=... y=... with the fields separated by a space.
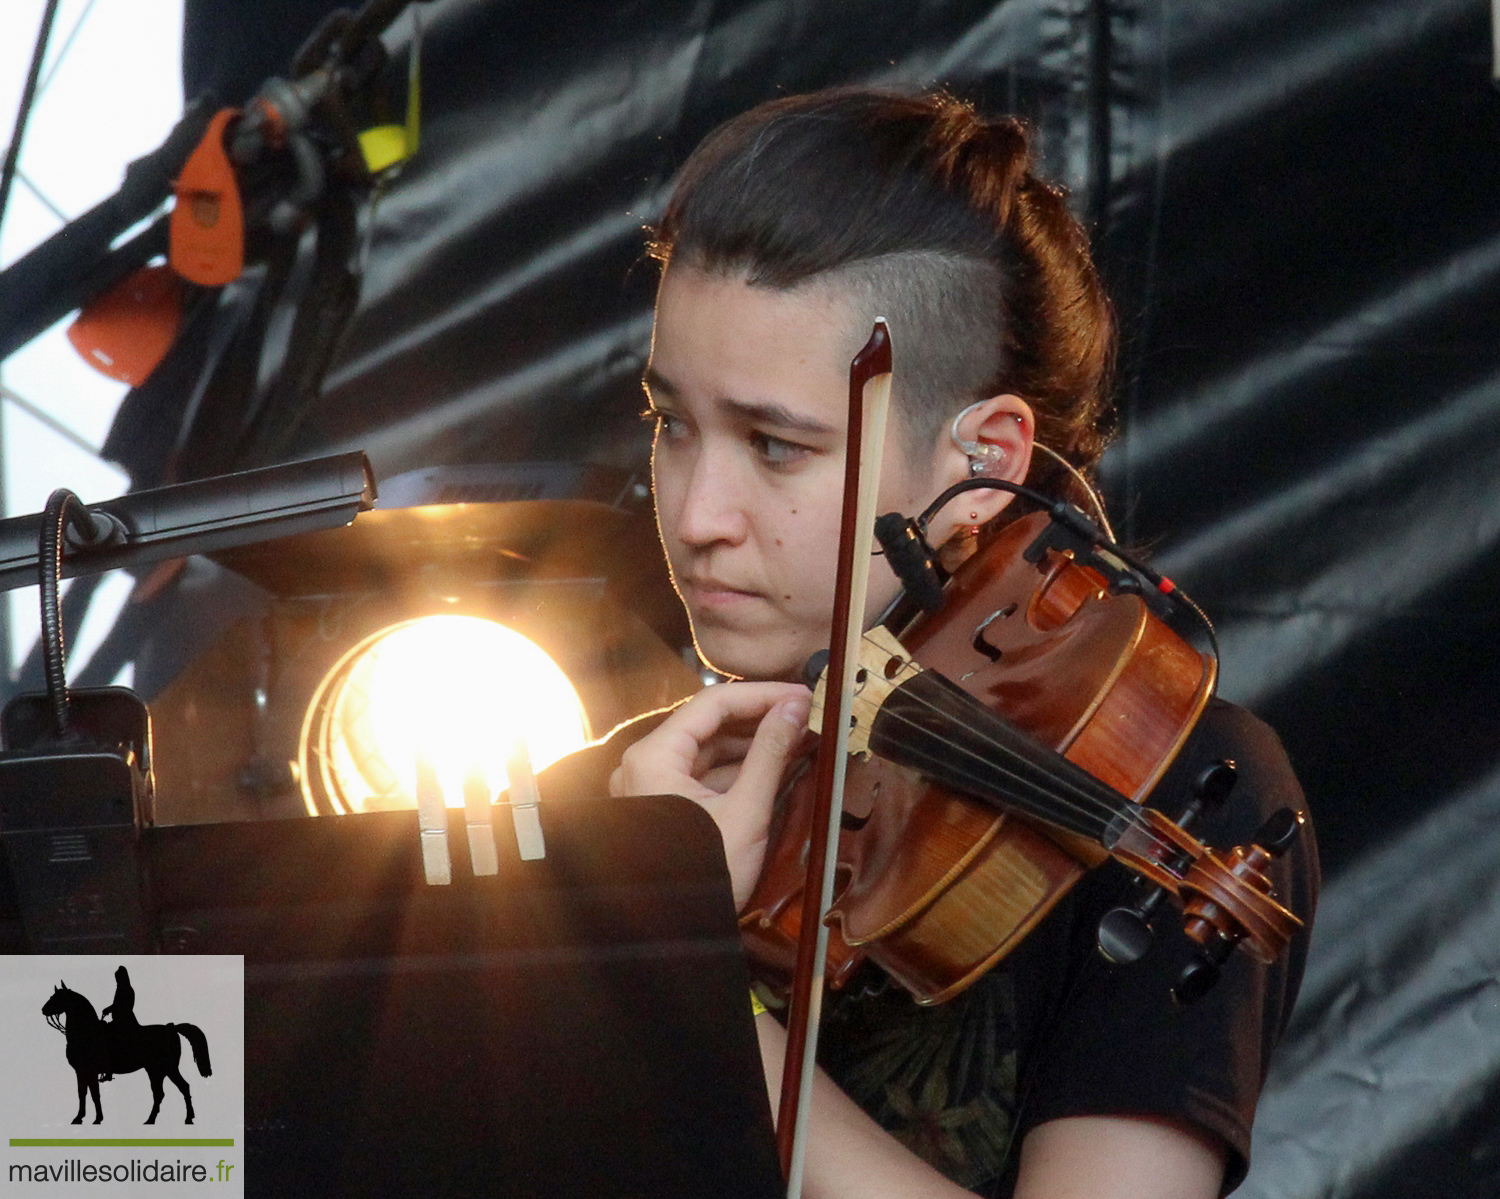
x=869 y=403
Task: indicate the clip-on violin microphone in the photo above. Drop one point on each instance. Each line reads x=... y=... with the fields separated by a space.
x=1070 y=531
x=912 y=560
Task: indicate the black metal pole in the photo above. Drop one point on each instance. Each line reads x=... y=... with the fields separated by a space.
x=23 y=114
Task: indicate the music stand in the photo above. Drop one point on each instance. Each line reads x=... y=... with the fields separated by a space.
x=574 y=1025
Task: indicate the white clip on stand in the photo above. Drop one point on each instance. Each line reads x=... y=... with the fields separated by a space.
x=432 y=820
x=523 y=803
x=478 y=816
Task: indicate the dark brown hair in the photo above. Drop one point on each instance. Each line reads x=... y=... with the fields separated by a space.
x=985 y=272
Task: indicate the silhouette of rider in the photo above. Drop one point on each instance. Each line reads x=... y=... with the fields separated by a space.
x=121 y=1013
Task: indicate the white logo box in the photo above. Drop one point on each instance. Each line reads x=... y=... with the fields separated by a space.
x=40 y=1146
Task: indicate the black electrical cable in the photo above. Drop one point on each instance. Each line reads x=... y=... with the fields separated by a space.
x=1026 y=493
x=1078 y=522
x=23 y=114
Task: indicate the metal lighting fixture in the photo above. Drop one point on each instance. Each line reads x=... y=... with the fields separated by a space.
x=407 y=659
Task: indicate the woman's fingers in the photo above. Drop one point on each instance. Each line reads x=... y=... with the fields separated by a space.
x=743 y=812
x=722 y=707
x=779 y=734
x=702 y=751
x=674 y=758
x=722 y=749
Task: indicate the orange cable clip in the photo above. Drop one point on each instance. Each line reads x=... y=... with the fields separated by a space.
x=208 y=222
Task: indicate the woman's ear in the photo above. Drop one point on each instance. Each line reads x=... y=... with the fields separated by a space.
x=991 y=439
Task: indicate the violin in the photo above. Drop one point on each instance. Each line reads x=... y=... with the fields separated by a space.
x=975 y=763
x=1003 y=745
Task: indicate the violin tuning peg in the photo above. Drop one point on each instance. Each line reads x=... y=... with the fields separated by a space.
x=1213 y=786
x=1281 y=828
x=1197 y=980
x=1125 y=932
x=1210 y=789
x=1199 y=975
x=1124 y=936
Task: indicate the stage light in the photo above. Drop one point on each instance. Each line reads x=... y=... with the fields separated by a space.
x=269 y=717
x=458 y=690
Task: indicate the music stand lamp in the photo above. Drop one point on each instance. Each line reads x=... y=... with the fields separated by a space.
x=574 y=1021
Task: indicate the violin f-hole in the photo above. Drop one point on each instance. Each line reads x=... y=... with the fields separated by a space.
x=992 y=652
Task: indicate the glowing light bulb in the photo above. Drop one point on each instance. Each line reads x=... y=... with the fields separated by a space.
x=457 y=690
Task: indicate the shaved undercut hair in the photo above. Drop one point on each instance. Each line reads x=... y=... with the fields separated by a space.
x=928 y=214
x=940 y=308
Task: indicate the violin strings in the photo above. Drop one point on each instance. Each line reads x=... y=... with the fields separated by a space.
x=1068 y=796
x=1091 y=803
x=917 y=759
x=1089 y=807
x=1071 y=799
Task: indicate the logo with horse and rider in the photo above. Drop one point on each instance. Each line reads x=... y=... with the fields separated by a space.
x=102 y=1045
x=127 y=1068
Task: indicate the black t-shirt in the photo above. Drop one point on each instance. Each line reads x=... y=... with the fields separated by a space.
x=1054 y=1030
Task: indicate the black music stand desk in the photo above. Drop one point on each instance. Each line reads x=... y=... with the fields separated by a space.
x=576 y=1025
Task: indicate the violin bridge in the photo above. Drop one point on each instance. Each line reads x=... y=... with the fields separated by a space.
x=883 y=666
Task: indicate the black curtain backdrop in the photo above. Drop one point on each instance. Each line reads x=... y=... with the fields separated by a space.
x=1297 y=205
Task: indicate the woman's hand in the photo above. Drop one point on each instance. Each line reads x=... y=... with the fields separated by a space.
x=726 y=749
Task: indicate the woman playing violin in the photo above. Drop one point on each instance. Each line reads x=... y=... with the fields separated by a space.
x=790 y=230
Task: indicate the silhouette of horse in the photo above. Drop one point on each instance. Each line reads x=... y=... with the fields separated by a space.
x=95 y=1048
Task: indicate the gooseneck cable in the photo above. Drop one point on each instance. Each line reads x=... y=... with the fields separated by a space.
x=63 y=508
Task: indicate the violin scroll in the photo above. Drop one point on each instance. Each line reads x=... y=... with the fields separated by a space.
x=1204 y=919
x=1125 y=932
x=1223 y=893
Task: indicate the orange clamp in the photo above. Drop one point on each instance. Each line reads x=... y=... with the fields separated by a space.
x=126 y=332
x=208 y=222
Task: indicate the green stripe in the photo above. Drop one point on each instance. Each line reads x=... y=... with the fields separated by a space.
x=118 y=1142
